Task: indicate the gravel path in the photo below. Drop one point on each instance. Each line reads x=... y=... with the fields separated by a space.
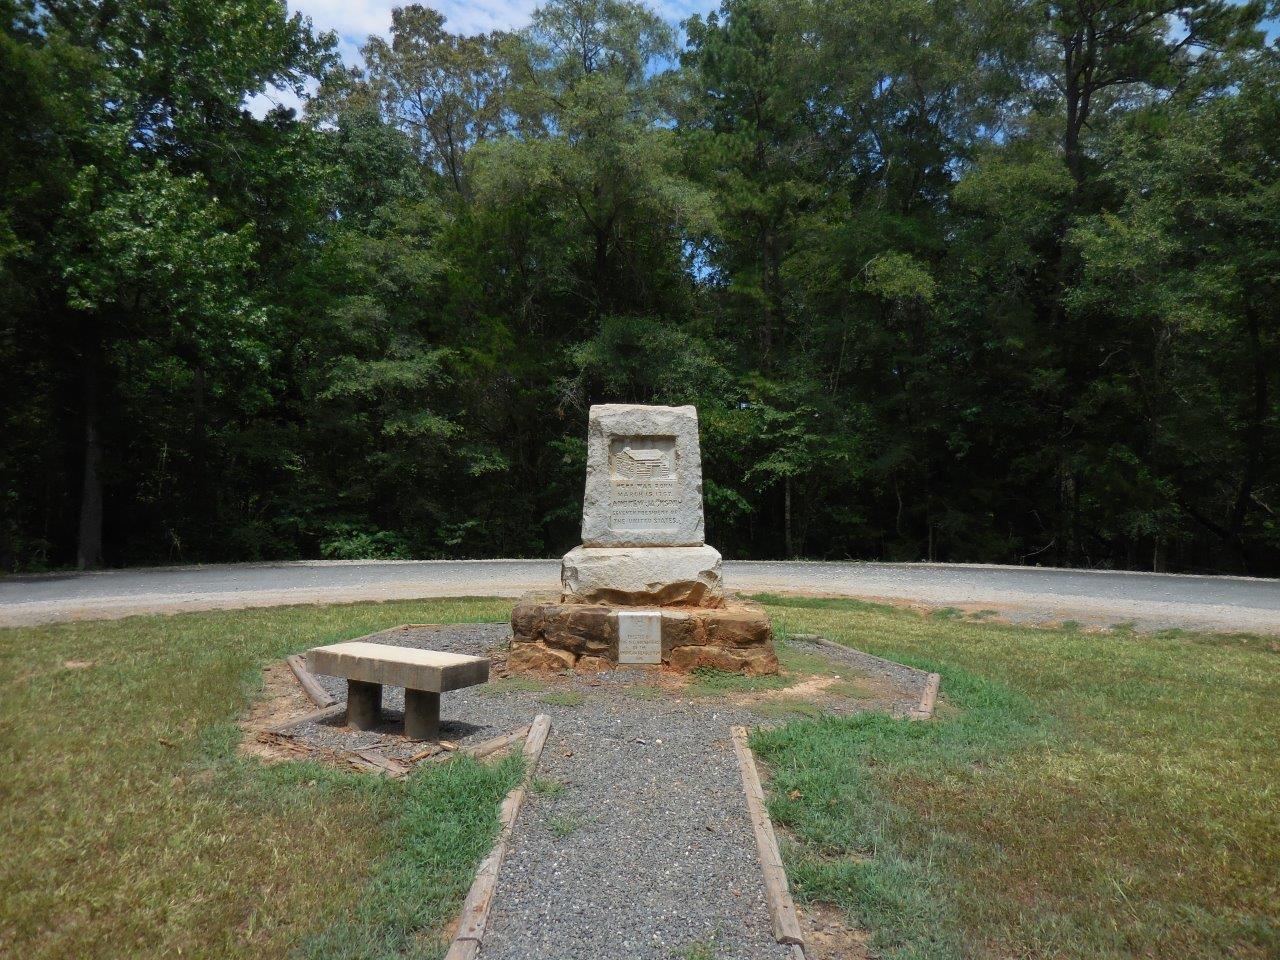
x=635 y=843
x=1024 y=594
x=645 y=853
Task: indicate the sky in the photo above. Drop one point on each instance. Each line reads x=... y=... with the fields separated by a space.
x=354 y=20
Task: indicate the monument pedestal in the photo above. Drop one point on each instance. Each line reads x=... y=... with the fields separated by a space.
x=644 y=588
x=547 y=634
x=646 y=576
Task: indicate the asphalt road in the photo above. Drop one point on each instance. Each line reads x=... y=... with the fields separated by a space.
x=1025 y=594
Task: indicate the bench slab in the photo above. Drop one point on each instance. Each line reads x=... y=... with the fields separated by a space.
x=408 y=667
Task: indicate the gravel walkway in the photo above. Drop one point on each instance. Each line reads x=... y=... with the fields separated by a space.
x=635 y=843
x=645 y=853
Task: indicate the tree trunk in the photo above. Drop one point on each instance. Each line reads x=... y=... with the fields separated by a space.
x=786 y=517
x=89 y=547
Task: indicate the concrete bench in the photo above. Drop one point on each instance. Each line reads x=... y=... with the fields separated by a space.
x=424 y=674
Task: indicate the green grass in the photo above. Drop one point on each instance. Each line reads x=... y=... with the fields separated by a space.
x=799 y=662
x=1081 y=795
x=547 y=786
x=129 y=827
x=563 y=824
x=445 y=823
x=700 y=950
x=513 y=684
x=706 y=682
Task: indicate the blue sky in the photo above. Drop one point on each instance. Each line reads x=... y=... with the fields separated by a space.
x=354 y=20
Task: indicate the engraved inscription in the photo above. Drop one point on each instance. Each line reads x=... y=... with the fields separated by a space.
x=639 y=637
x=643 y=483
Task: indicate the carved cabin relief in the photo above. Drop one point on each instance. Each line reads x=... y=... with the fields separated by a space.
x=642 y=481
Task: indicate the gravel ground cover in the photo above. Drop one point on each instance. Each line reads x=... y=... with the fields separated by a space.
x=635 y=842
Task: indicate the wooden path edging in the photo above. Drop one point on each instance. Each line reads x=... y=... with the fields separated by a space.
x=782 y=909
x=475 y=909
x=928 y=697
x=318 y=694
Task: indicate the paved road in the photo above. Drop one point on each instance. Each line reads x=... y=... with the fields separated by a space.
x=1030 y=594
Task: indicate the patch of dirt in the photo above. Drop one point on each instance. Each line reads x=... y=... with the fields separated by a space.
x=282 y=699
x=812 y=687
x=828 y=934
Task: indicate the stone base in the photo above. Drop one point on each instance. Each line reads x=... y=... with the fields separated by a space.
x=735 y=637
x=643 y=576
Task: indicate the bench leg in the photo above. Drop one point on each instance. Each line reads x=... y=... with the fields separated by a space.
x=364 y=704
x=421 y=715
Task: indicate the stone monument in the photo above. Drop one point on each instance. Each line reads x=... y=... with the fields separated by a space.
x=643 y=588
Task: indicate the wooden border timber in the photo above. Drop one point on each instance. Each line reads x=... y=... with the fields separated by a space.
x=928 y=698
x=315 y=716
x=782 y=909
x=475 y=909
x=318 y=694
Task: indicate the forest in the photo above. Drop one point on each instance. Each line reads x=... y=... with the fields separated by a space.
x=948 y=280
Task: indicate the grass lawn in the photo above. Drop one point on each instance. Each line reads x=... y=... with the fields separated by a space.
x=130 y=828
x=1078 y=796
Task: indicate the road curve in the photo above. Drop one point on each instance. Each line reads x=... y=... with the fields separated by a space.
x=1026 y=594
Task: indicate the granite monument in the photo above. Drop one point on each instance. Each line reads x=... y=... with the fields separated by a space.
x=644 y=587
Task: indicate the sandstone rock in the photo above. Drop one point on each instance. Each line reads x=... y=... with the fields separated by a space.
x=753 y=662
x=643 y=576
x=574 y=628
x=552 y=636
x=744 y=625
x=533 y=656
x=644 y=477
x=680 y=629
x=526 y=618
x=583 y=630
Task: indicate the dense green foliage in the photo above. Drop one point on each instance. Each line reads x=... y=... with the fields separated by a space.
x=955 y=280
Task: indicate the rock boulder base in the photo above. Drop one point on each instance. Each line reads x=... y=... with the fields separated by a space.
x=657 y=576
x=550 y=635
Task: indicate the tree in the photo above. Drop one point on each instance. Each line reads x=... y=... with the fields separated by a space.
x=138 y=252
x=593 y=146
x=442 y=90
x=1187 y=268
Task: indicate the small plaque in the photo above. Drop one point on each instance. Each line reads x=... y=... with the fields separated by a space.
x=639 y=637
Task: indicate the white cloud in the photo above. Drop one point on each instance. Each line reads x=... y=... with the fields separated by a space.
x=354 y=20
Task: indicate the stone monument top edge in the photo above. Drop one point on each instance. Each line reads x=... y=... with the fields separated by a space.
x=603 y=409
